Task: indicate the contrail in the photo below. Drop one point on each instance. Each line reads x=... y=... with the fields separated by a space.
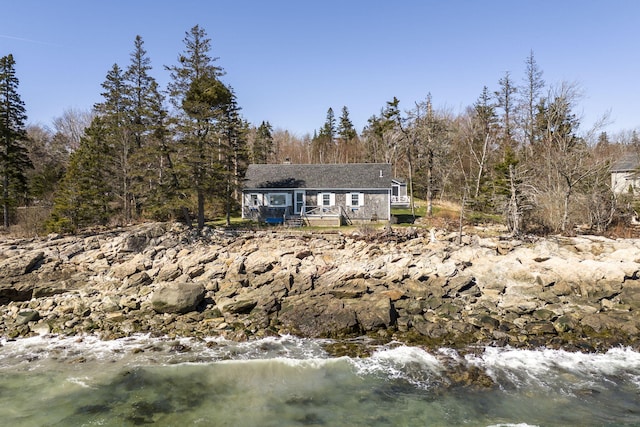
x=4 y=36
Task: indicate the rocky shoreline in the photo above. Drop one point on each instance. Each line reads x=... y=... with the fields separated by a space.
x=410 y=285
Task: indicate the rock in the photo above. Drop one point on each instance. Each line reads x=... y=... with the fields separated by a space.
x=241 y=306
x=27 y=316
x=137 y=280
x=582 y=291
x=374 y=312
x=21 y=264
x=41 y=328
x=177 y=297
x=322 y=316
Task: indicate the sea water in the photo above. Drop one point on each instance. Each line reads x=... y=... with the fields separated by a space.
x=287 y=381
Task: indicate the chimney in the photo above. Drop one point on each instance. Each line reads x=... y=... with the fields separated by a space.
x=381 y=175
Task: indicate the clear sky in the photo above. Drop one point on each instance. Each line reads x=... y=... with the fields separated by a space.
x=290 y=60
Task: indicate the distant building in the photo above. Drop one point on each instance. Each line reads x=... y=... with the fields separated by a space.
x=625 y=175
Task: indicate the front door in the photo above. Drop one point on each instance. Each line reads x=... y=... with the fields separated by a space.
x=298 y=204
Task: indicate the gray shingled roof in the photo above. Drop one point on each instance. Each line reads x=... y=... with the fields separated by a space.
x=628 y=163
x=325 y=176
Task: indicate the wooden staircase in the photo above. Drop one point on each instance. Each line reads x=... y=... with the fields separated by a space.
x=294 y=221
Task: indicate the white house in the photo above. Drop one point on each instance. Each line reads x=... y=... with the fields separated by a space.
x=625 y=175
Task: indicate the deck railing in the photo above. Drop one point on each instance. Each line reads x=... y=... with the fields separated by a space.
x=400 y=200
x=321 y=210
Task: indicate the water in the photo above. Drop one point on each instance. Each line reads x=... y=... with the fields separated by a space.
x=286 y=381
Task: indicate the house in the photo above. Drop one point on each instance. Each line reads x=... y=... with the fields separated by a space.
x=320 y=194
x=625 y=175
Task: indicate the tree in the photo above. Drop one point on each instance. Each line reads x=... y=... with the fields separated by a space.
x=346 y=138
x=382 y=136
x=146 y=120
x=115 y=112
x=200 y=99
x=50 y=158
x=262 y=147
x=234 y=156
x=14 y=159
x=505 y=101
x=431 y=146
x=86 y=192
x=70 y=126
x=565 y=160
x=529 y=96
x=482 y=139
x=323 y=143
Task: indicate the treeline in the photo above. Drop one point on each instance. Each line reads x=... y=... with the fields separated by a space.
x=180 y=152
x=143 y=152
x=517 y=153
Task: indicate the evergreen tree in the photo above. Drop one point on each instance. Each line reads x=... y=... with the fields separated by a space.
x=382 y=135
x=200 y=99
x=262 y=148
x=119 y=135
x=149 y=155
x=85 y=192
x=323 y=143
x=14 y=159
x=346 y=137
x=234 y=158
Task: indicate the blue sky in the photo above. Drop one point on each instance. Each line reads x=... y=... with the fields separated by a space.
x=289 y=61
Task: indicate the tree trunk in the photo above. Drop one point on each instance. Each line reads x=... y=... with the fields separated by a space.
x=429 y=183
x=200 y=209
x=481 y=165
x=410 y=162
x=463 y=202
x=5 y=199
x=565 y=215
x=513 y=210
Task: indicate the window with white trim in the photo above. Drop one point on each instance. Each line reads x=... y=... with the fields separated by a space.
x=326 y=199
x=355 y=199
x=278 y=199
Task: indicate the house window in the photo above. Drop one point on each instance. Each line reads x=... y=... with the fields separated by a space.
x=355 y=199
x=254 y=200
x=278 y=199
x=326 y=199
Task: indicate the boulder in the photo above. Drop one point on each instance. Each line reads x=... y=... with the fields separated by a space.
x=177 y=297
x=319 y=316
x=21 y=264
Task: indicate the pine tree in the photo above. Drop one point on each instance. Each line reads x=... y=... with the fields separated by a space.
x=234 y=157
x=85 y=192
x=346 y=136
x=14 y=159
x=262 y=148
x=323 y=143
x=115 y=112
x=149 y=153
x=200 y=99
